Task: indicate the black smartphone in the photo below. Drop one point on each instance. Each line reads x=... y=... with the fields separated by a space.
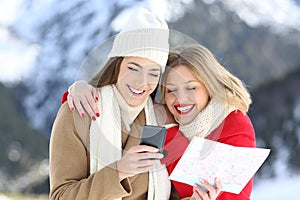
x=154 y=136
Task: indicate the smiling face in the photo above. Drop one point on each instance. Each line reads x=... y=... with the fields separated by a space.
x=185 y=95
x=138 y=78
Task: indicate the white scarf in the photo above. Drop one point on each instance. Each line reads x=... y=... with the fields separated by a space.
x=106 y=142
x=207 y=120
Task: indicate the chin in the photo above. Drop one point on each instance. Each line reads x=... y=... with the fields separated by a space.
x=185 y=121
x=135 y=103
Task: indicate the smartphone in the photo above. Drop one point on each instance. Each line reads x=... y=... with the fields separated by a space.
x=154 y=136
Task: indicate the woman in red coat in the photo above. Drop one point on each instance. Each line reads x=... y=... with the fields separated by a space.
x=206 y=101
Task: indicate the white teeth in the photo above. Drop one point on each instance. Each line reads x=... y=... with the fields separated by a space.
x=136 y=91
x=184 y=109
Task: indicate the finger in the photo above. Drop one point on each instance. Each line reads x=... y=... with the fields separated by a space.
x=130 y=165
x=142 y=148
x=88 y=107
x=218 y=185
x=89 y=110
x=211 y=190
x=145 y=163
x=196 y=195
x=201 y=193
x=79 y=108
x=92 y=107
x=84 y=105
x=150 y=156
x=145 y=169
x=70 y=102
x=96 y=110
x=95 y=94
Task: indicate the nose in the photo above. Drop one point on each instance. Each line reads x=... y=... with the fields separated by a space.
x=181 y=96
x=141 y=80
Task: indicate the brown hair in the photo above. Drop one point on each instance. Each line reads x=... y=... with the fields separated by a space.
x=109 y=74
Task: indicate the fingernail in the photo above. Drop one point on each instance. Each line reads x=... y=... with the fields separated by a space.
x=202 y=181
x=98 y=114
x=217 y=179
x=82 y=115
x=72 y=109
x=94 y=118
x=96 y=99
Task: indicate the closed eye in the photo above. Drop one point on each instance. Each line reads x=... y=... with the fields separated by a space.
x=133 y=69
x=191 y=88
x=154 y=75
x=171 y=90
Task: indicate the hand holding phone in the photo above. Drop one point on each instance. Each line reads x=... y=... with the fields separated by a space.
x=154 y=136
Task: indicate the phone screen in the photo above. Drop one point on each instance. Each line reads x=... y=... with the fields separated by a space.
x=154 y=136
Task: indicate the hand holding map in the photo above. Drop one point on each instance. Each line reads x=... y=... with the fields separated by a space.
x=207 y=159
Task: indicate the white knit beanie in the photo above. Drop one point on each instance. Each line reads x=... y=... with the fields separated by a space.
x=145 y=35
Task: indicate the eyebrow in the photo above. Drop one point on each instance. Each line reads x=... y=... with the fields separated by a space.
x=184 y=83
x=140 y=66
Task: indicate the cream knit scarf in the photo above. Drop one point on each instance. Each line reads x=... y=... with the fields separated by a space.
x=207 y=120
x=106 y=142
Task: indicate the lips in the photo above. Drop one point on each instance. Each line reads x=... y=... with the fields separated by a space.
x=184 y=108
x=135 y=91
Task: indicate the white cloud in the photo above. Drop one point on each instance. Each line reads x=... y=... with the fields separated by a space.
x=16 y=57
x=170 y=10
x=279 y=14
x=9 y=11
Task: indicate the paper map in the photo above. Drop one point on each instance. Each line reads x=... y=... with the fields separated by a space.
x=206 y=159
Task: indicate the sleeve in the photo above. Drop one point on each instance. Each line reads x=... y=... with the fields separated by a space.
x=64 y=97
x=69 y=166
x=238 y=131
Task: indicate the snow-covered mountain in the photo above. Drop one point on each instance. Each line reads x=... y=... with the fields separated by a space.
x=64 y=32
x=58 y=35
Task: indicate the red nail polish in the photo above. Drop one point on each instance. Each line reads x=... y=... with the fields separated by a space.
x=94 y=118
x=72 y=109
x=96 y=99
x=82 y=115
x=98 y=114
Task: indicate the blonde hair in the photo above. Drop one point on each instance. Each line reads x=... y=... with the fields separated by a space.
x=220 y=83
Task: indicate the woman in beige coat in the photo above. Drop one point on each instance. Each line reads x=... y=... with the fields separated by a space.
x=102 y=159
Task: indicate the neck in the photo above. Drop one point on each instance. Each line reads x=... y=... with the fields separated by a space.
x=128 y=112
x=207 y=120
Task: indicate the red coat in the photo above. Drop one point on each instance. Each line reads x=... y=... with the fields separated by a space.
x=236 y=130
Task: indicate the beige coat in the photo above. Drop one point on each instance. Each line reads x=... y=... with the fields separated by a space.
x=69 y=163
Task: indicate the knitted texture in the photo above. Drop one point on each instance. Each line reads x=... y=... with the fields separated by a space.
x=207 y=120
x=128 y=113
x=106 y=136
x=145 y=35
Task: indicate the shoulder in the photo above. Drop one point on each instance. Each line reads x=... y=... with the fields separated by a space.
x=237 y=129
x=239 y=121
x=237 y=118
x=68 y=122
x=64 y=114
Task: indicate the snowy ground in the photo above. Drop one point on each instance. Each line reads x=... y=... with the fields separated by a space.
x=277 y=189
